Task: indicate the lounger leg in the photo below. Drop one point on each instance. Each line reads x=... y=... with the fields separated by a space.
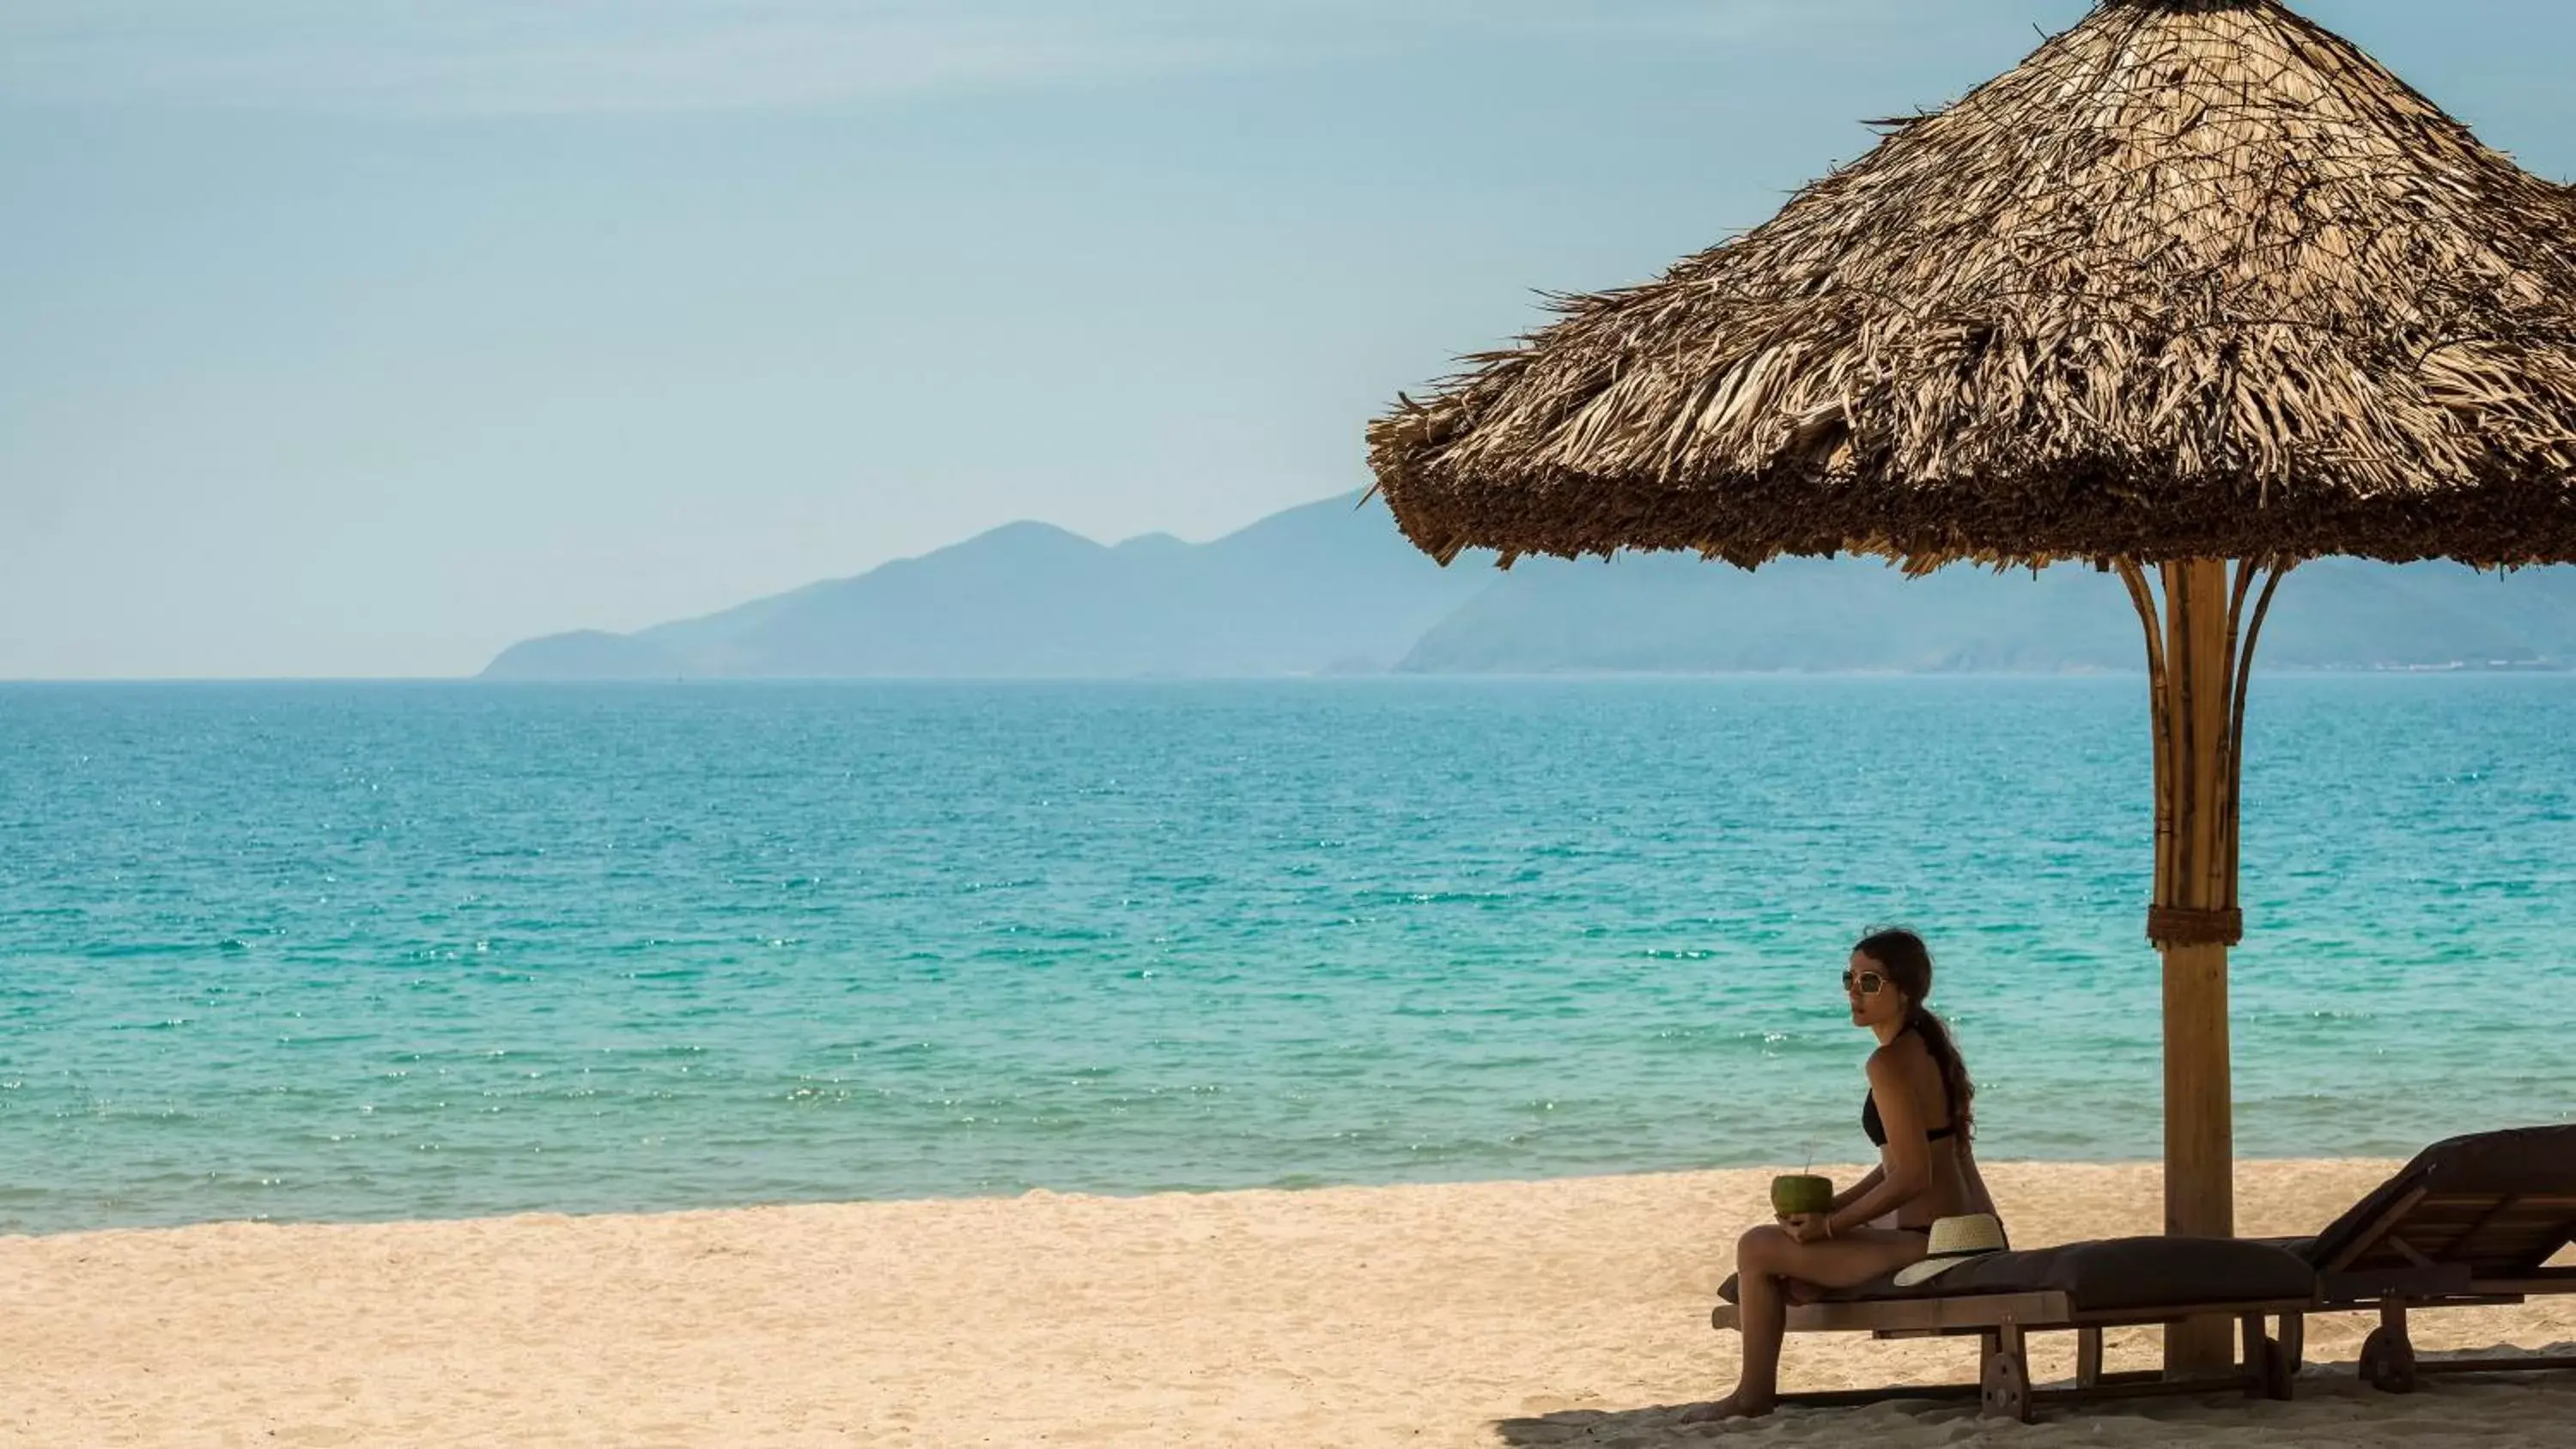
x=2387 y=1356
x=2280 y=1361
x=2088 y=1358
x=2294 y=1341
x=2266 y=1370
x=2005 y=1380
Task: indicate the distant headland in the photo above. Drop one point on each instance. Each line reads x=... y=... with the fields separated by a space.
x=1332 y=588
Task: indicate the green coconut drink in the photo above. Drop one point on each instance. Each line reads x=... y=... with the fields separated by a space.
x=1802 y=1193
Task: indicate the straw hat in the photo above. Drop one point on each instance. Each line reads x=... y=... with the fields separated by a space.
x=1955 y=1241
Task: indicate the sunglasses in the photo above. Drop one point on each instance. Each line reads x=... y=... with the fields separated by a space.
x=1866 y=983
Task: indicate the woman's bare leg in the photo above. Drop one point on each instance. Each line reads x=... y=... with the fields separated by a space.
x=1762 y=1312
x=1766 y=1259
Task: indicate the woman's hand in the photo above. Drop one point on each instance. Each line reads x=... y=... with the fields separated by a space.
x=1807 y=1227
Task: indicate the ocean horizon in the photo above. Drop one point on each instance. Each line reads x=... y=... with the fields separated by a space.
x=420 y=949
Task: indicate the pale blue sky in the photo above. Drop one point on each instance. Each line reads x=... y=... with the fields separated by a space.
x=360 y=337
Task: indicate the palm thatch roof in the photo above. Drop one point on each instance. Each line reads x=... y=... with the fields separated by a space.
x=2198 y=279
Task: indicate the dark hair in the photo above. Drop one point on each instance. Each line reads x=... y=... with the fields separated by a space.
x=1908 y=963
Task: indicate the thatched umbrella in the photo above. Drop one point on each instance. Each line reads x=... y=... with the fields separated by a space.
x=2198 y=291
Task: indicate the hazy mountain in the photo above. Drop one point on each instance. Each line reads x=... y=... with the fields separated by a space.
x=1659 y=613
x=1675 y=613
x=1326 y=586
x=585 y=654
x=1332 y=586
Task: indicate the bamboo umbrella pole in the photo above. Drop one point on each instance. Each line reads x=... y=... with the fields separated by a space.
x=2200 y=653
x=2194 y=921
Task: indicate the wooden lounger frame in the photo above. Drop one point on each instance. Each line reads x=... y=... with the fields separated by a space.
x=2421 y=1249
x=2424 y=1251
x=2002 y=1323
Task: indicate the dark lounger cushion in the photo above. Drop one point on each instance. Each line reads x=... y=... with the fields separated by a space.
x=2115 y=1273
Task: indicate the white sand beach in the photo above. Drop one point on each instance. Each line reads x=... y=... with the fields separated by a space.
x=1477 y=1314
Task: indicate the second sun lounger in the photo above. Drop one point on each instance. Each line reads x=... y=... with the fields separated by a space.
x=2471 y=1221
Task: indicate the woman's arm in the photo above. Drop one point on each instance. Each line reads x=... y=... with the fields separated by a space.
x=1858 y=1190
x=1905 y=1169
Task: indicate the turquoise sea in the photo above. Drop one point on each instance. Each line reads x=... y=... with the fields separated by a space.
x=392 y=951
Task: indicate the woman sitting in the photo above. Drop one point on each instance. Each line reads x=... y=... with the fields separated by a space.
x=1919 y=1114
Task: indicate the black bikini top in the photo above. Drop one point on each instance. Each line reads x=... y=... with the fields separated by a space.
x=1877 y=1130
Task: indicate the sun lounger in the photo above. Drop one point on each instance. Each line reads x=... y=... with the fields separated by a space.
x=2474 y=1220
x=2081 y=1288
x=2471 y=1221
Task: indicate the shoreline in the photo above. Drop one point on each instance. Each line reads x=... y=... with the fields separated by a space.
x=1839 y=1171
x=1497 y=1313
